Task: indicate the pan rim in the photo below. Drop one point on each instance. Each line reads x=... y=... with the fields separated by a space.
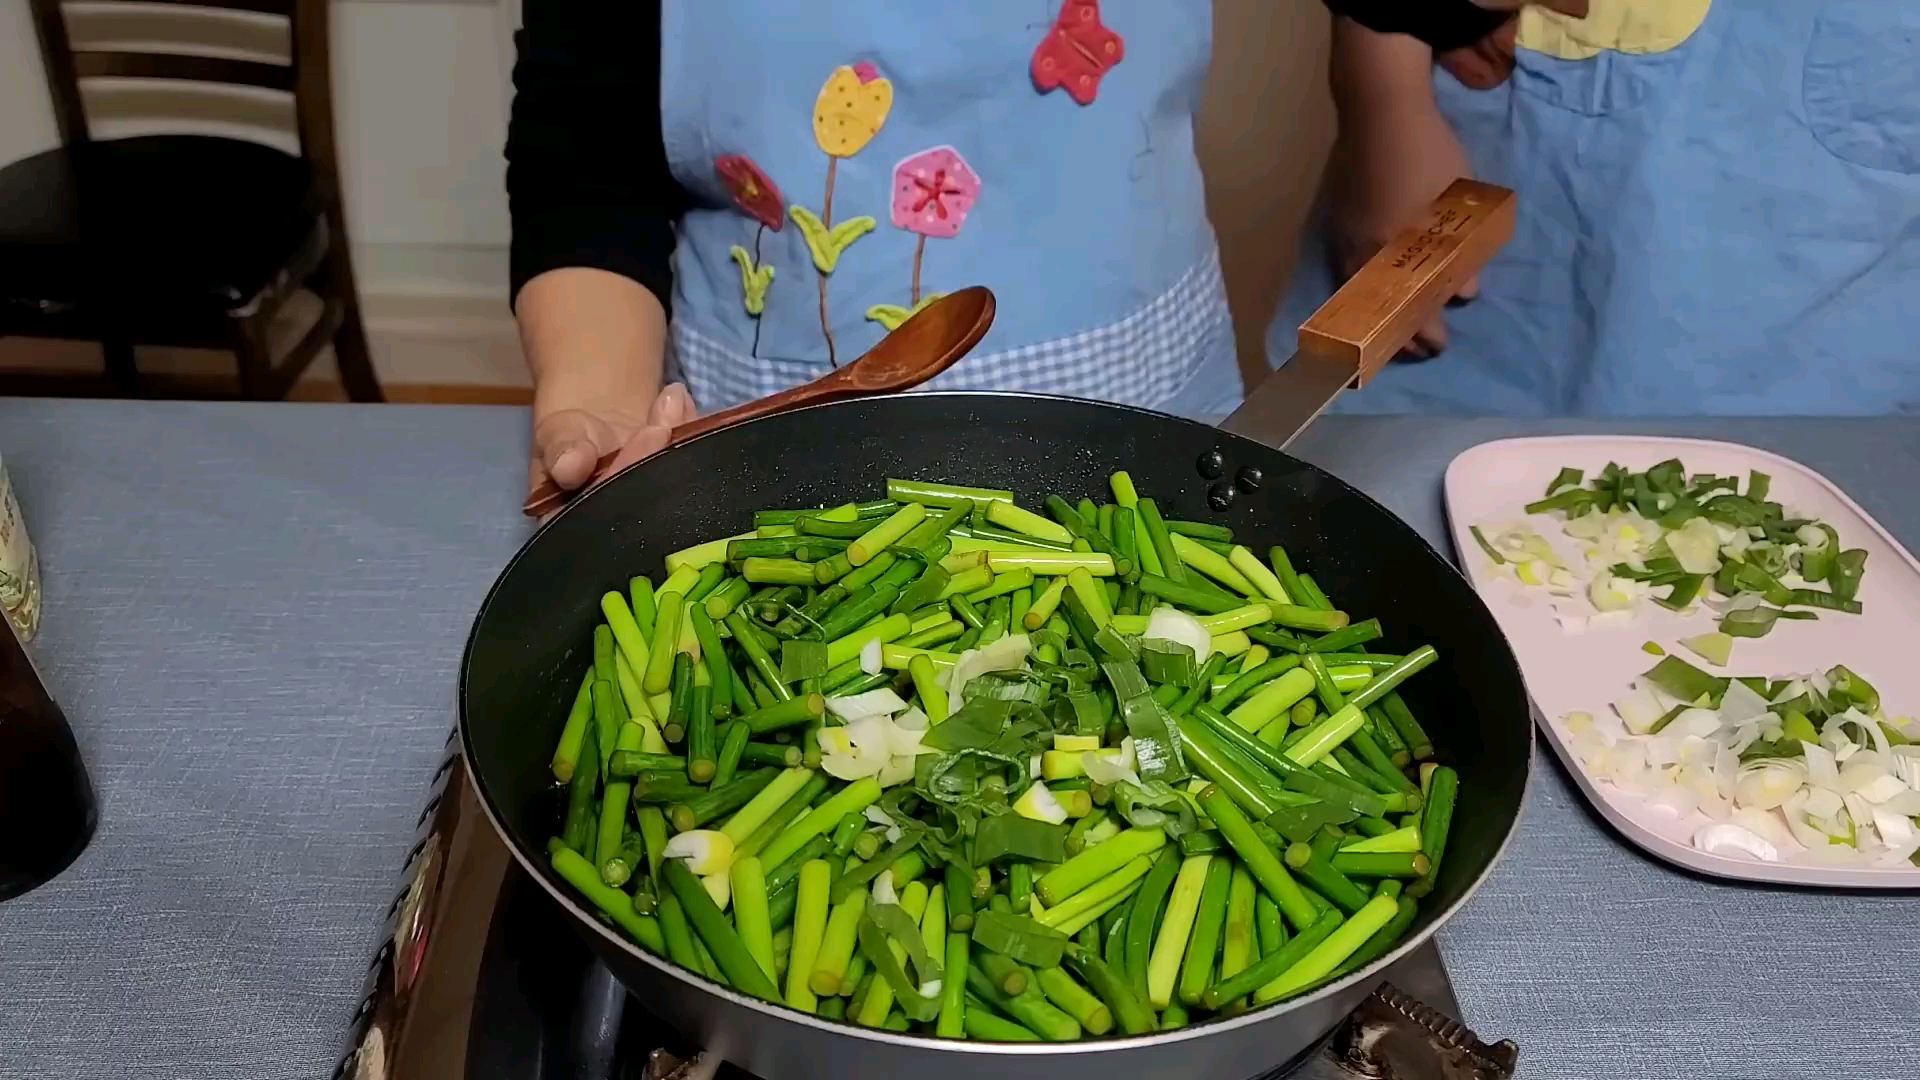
x=542 y=873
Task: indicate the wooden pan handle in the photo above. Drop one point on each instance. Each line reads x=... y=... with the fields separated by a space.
x=1377 y=312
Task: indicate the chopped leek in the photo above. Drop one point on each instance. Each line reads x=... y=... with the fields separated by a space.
x=1716 y=648
x=1672 y=536
x=1808 y=769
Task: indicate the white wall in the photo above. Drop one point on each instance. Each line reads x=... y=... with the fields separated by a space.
x=26 y=116
x=421 y=93
x=421 y=89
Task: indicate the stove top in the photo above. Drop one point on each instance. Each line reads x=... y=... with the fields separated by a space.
x=482 y=977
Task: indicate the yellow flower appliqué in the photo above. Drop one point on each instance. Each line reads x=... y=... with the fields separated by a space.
x=851 y=109
x=1628 y=26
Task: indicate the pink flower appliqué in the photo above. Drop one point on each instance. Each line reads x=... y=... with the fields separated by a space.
x=933 y=191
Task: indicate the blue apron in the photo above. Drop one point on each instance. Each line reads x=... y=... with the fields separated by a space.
x=1728 y=226
x=853 y=160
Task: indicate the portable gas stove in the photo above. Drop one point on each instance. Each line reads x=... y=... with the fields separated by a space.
x=479 y=976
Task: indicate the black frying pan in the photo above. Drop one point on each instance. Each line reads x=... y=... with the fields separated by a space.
x=533 y=638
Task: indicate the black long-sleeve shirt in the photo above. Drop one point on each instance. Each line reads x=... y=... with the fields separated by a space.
x=1443 y=24
x=588 y=182
x=587 y=176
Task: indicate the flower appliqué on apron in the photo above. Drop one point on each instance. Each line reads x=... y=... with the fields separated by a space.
x=754 y=192
x=1635 y=27
x=1077 y=52
x=850 y=111
x=932 y=193
x=933 y=190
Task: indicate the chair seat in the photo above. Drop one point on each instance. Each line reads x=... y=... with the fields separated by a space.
x=181 y=224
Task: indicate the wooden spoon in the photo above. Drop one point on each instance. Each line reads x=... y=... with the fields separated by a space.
x=928 y=343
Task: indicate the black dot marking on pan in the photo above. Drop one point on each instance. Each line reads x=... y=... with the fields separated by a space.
x=1249 y=478
x=1221 y=496
x=1211 y=464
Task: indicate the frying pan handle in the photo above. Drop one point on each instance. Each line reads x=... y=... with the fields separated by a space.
x=1377 y=312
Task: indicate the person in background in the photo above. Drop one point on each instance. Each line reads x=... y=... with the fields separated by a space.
x=1719 y=203
x=732 y=197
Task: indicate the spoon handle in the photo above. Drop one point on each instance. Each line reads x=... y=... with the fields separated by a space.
x=833 y=386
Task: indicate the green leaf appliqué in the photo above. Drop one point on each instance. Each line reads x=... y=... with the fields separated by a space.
x=827 y=244
x=753 y=279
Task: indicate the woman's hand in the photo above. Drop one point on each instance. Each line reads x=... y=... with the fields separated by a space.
x=1489 y=62
x=569 y=443
x=595 y=342
x=1394 y=171
x=1396 y=153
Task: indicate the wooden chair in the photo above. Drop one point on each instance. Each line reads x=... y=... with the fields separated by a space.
x=182 y=240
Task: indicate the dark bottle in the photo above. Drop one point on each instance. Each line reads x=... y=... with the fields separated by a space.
x=47 y=811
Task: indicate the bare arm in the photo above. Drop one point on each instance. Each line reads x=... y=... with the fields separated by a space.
x=1395 y=152
x=1379 y=80
x=596 y=342
x=593 y=203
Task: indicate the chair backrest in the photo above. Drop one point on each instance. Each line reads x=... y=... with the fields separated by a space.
x=306 y=76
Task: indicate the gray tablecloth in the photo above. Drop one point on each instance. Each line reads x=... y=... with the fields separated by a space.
x=253 y=618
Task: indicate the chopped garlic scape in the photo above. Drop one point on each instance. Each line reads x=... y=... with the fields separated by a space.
x=1103 y=832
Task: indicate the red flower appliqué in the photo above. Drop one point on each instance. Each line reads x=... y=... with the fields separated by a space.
x=1077 y=52
x=752 y=190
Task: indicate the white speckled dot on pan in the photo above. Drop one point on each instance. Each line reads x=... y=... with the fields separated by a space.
x=1587 y=672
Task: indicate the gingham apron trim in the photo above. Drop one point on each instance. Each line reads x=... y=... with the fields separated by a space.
x=1142 y=359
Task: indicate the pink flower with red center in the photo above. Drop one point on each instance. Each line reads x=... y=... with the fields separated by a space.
x=933 y=191
x=752 y=189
